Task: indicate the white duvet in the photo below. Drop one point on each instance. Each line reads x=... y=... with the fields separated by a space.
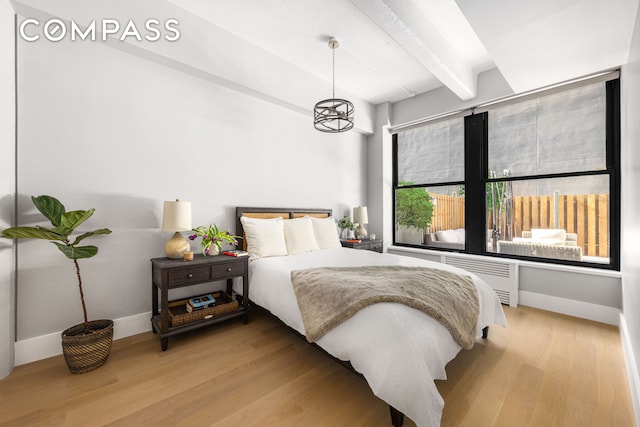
x=399 y=350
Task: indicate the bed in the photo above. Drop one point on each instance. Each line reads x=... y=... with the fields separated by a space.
x=399 y=350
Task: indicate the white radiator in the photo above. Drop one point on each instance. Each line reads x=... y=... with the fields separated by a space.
x=501 y=276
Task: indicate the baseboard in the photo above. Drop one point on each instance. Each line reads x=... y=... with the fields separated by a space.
x=584 y=310
x=632 y=367
x=44 y=346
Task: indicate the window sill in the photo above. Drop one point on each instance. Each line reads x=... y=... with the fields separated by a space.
x=525 y=263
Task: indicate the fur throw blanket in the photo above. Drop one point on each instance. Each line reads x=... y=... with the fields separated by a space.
x=328 y=296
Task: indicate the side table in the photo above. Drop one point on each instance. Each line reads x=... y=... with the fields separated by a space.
x=369 y=245
x=170 y=274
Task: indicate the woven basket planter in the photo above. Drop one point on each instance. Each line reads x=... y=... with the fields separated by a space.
x=85 y=352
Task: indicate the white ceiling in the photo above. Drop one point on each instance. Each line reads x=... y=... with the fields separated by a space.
x=391 y=50
x=394 y=49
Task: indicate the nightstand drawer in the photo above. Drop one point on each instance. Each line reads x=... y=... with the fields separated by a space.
x=375 y=246
x=368 y=245
x=185 y=276
x=227 y=269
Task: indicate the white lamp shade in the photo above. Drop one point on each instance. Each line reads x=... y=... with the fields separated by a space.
x=176 y=216
x=360 y=215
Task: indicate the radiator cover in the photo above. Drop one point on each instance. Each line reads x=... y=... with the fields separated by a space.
x=501 y=276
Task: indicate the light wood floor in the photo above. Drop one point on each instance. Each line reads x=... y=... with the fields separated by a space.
x=542 y=370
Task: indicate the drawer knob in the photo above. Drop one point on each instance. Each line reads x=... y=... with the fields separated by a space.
x=189 y=275
x=229 y=269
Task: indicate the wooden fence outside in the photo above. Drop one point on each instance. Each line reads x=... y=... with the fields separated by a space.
x=448 y=212
x=587 y=215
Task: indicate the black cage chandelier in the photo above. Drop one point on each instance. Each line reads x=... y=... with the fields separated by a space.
x=333 y=115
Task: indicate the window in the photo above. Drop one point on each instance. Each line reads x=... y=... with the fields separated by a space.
x=534 y=178
x=561 y=132
x=429 y=195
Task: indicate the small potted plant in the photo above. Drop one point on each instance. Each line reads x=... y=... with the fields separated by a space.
x=213 y=238
x=85 y=346
x=345 y=225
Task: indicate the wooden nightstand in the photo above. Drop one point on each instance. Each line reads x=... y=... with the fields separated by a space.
x=369 y=245
x=170 y=274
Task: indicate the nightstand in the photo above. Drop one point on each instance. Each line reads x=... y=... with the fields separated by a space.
x=369 y=245
x=168 y=274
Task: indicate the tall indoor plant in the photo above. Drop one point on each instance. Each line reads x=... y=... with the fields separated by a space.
x=85 y=346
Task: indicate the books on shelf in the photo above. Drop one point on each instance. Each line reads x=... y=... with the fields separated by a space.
x=200 y=303
x=236 y=252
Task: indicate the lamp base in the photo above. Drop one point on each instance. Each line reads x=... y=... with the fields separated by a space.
x=176 y=246
x=361 y=232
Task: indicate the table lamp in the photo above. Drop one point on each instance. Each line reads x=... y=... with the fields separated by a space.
x=360 y=217
x=176 y=217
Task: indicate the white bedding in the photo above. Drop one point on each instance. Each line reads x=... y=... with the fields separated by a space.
x=399 y=350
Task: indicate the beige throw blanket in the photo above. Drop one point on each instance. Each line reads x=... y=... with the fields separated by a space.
x=328 y=296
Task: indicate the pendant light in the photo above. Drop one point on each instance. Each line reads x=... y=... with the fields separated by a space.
x=333 y=115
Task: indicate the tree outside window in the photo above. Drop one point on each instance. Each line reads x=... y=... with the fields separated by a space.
x=414 y=208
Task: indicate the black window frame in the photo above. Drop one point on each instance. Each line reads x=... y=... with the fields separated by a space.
x=475 y=180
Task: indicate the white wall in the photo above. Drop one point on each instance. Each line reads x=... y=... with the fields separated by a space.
x=7 y=187
x=380 y=177
x=204 y=50
x=106 y=129
x=630 y=250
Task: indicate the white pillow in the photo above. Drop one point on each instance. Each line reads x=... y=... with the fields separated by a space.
x=299 y=236
x=326 y=232
x=459 y=232
x=265 y=237
x=548 y=233
x=449 y=236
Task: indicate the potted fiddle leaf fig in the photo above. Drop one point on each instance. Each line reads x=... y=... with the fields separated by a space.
x=85 y=346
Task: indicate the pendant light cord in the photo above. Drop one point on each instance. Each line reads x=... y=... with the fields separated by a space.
x=333 y=74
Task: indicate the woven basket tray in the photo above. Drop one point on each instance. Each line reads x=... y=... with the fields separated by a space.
x=178 y=314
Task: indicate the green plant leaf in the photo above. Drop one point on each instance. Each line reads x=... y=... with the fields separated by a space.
x=77 y=252
x=71 y=220
x=345 y=223
x=50 y=207
x=91 y=233
x=413 y=207
x=31 y=233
